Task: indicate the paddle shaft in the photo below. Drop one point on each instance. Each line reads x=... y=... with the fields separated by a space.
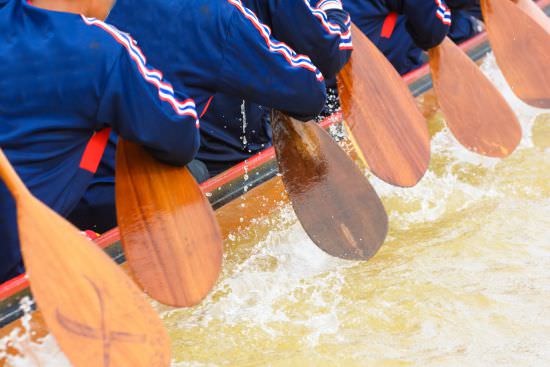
x=10 y=177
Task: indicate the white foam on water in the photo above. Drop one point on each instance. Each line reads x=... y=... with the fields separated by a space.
x=45 y=353
x=285 y=263
x=42 y=353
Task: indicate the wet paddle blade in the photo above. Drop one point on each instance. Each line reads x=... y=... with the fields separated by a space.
x=96 y=313
x=522 y=50
x=383 y=116
x=475 y=111
x=168 y=230
x=335 y=203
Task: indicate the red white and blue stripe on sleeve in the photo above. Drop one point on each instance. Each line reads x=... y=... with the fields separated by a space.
x=152 y=76
x=296 y=60
x=348 y=22
x=333 y=29
x=329 y=4
x=443 y=12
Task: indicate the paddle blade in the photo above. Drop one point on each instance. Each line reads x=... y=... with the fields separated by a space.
x=522 y=50
x=168 y=230
x=383 y=116
x=336 y=205
x=96 y=313
x=530 y=8
x=475 y=111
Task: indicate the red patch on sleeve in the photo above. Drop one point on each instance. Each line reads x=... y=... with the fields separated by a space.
x=389 y=25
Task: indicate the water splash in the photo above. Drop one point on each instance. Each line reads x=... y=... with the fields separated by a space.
x=243 y=117
x=20 y=349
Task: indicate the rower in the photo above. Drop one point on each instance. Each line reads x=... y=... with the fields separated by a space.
x=66 y=80
x=235 y=128
x=211 y=46
x=204 y=53
x=402 y=29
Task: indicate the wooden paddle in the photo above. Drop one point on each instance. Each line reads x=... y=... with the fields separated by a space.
x=529 y=7
x=522 y=50
x=382 y=115
x=168 y=230
x=336 y=205
x=96 y=313
x=475 y=111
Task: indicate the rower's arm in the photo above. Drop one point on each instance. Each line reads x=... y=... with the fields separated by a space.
x=142 y=107
x=260 y=69
x=428 y=21
x=317 y=28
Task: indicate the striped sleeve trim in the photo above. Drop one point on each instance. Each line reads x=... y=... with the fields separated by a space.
x=329 y=4
x=152 y=76
x=443 y=12
x=330 y=28
x=296 y=60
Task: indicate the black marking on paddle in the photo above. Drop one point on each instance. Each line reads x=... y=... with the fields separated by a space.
x=108 y=337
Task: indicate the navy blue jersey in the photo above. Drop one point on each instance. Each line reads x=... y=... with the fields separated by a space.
x=210 y=46
x=402 y=29
x=318 y=29
x=64 y=80
x=234 y=128
x=221 y=46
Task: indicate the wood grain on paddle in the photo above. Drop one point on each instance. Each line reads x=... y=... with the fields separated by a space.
x=522 y=50
x=383 y=116
x=529 y=7
x=475 y=111
x=168 y=230
x=96 y=313
x=335 y=203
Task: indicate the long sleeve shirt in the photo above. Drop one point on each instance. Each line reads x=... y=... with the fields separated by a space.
x=64 y=79
x=234 y=127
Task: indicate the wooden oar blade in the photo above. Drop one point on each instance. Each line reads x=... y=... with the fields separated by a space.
x=383 y=116
x=96 y=313
x=475 y=112
x=169 y=233
x=536 y=13
x=336 y=205
x=522 y=50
